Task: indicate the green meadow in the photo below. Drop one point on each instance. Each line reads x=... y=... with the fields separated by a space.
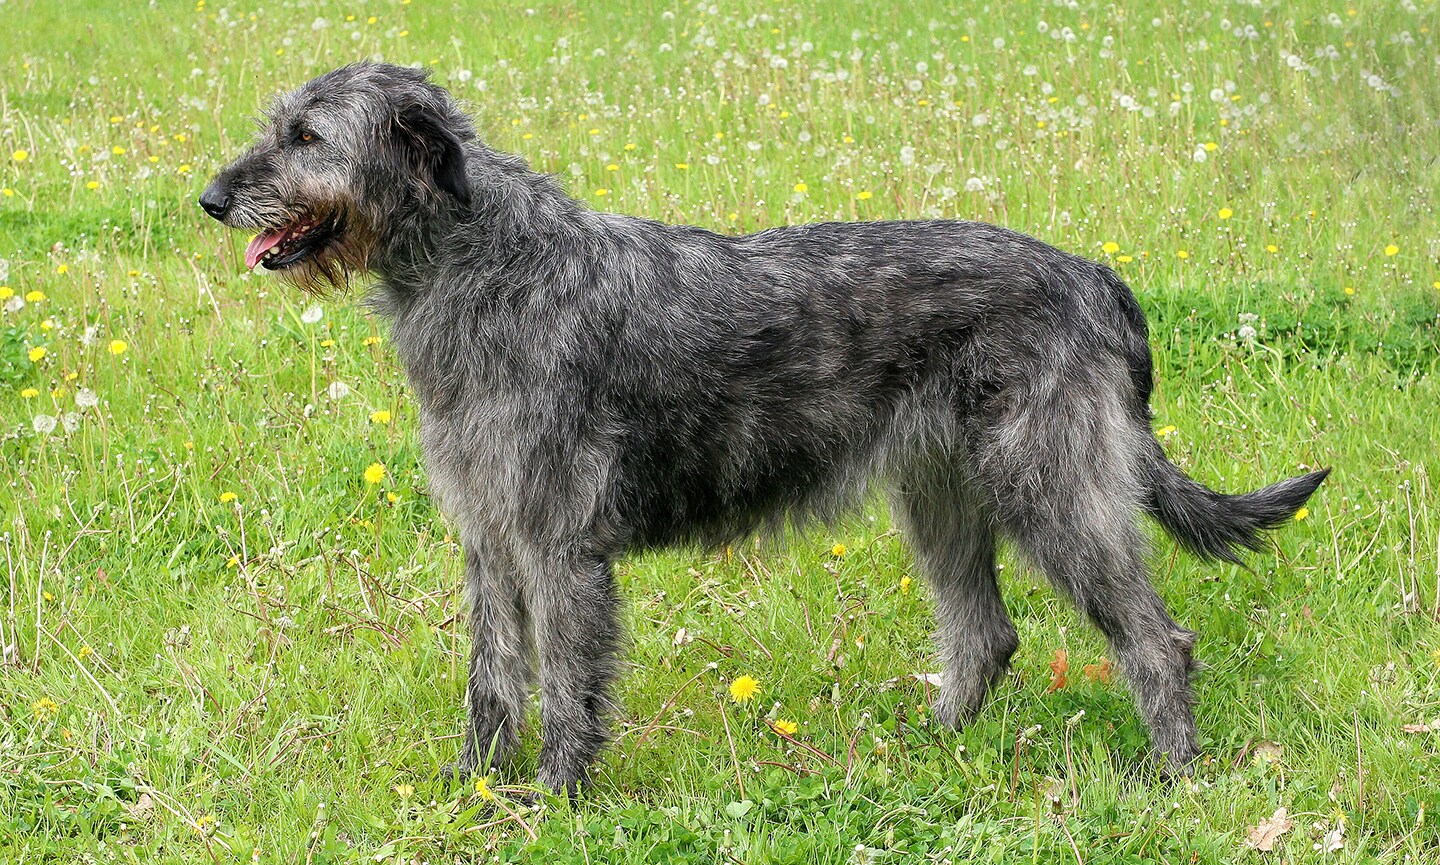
x=231 y=623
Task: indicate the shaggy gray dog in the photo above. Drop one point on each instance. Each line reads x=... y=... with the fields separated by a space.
x=593 y=384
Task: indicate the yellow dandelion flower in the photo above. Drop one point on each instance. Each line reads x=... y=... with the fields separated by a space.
x=20 y=155
x=1210 y=146
x=601 y=193
x=47 y=324
x=594 y=132
x=802 y=187
x=405 y=791
x=117 y=150
x=232 y=562
x=58 y=392
x=630 y=145
x=787 y=727
x=37 y=353
x=482 y=788
x=612 y=167
x=94 y=184
x=1168 y=431
x=1110 y=247
x=381 y=416
x=1226 y=213
x=35 y=296
x=86 y=651
x=905 y=583
x=1391 y=249
x=49 y=595
x=1124 y=259
x=1302 y=513
x=837 y=550
x=1270 y=247
x=391 y=497
x=374 y=473
x=327 y=343
x=6 y=292
x=864 y=195
x=371 y=20
x=1182 y=255
x=227 y=497
x=118 y=346
x=1350 y=289
x=744 y=689
x=527 y=136
x=8 y=192
x=44 y=708
x=683 y=166
x=63 y=268
x=29 y=393
x=370 y=340
x=184 y=168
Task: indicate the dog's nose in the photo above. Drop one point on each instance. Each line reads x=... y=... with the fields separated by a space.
x=215 y=201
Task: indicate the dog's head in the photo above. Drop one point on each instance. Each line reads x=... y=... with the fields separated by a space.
x=339 y=165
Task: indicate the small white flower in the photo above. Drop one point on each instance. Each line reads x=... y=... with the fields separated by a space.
x=312 y=315
x=338 y=390
x=1246 y=332
x=44 y=424
x=86 y=398
x=70 y=420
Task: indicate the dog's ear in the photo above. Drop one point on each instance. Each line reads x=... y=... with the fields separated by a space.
x=439 y=152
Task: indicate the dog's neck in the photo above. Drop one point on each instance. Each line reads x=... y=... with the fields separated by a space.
x=513 y=210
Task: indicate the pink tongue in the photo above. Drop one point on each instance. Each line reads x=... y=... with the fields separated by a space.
x=263 y=243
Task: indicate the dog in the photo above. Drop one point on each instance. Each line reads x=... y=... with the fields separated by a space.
x=592 y=384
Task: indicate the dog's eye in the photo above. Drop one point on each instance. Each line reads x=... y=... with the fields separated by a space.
x=304 y=136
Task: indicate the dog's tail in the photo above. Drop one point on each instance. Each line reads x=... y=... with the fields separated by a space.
x=1214 y=525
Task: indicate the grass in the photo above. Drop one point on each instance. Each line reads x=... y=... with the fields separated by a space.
x=221 y=643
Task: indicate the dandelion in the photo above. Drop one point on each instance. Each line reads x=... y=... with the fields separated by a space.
x=405 y=791
x=312 y=315
x=744 y=689
x=370 y=340
x=20 y=155
x=601 y=193
x=864 y=195
x=29 y=393
x=1182 y=255
x=905 y=583
x=44 y=424
x=35 y=296
x=37 y=353
x=381 y=416
x=482 y=789
x=1302 y=513
x=1110 y=247
x=86 y=651
x=62 y=269
x=118 y=346
x=391 y=497
x=44 y=709
x=789 y=728
x=227 y=497
x=6 y=292
x=683 y=166
x=117 y=150
x=838 y=550
x=93 y=184
x=612 y=167
x=1272 y=248
x=1124 y=259
x=7 y=192
x=232 y=562
x=1350 y=289
x=802 y=187
x=1391 y=249
x=86 y=398
x=337 y=390
x=1226 y=213
x=1210 y=146
x=1166 y=431
x=374 y=473
x=206 y=824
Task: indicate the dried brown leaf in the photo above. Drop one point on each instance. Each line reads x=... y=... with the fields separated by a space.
x=1265 y=833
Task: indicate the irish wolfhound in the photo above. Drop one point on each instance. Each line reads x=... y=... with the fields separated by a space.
x=593 y=384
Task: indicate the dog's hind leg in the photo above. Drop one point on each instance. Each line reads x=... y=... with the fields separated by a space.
x=1062 y=467
x=501 y=660
x=576 y=607
x=953 y=538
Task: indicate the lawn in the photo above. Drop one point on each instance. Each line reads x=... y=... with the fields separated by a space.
x=223 y=642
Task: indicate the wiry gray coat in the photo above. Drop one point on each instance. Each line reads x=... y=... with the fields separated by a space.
x=593 y=384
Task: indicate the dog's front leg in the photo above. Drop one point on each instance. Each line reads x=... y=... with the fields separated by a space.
x=501 y=659
x=576 y=609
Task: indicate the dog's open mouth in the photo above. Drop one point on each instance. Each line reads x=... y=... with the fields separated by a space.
x=280 y=248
